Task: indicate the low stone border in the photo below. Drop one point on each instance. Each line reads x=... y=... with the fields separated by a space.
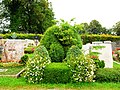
x=15 y=76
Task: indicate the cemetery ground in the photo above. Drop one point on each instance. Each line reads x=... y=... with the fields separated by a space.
x=11 y=69
x=8 y=83
x=11 y=83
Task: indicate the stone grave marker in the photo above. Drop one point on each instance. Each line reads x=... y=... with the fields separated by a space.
x=105 y=53
x=13 y=50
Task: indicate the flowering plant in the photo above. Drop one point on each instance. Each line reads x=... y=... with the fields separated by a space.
x=116 y=54
x=82 y=66
x=35 y=66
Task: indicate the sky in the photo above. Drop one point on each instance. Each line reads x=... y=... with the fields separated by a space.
x=107 y=12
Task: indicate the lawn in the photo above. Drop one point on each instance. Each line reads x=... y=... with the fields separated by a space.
x=116 y=65
x=8 y=83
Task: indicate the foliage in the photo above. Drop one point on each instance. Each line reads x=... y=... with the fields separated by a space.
x=82 y=67
x=33 y=16
x=57 y=73
x=85 y=38
x=102 y=37
x=35 y=66
x=82 y=28
x=116 y=28
x=68 y=35
x=64 y=36
x=11 y=70
x=21 y=36
x=98 y=63
x=24 y=59
x=95 y=27
x=98 y=47
x=95 y=56
x=56 y=52
x=108 y=75
x=10 y=64
x=29 y=50
x=116 y=54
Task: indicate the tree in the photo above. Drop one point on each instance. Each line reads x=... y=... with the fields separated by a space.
x=106 y=31
x=95 y=27
x=116 y=28
x=29 y=16
x=3 y=19
x=82 y=28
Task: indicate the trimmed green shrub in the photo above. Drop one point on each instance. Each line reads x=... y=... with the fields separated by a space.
x=85 y=38
x=64 y=36
x=57 y=73
x=82 y=67
x=24 y=59
x=108 y=75
x=91 y=38
x=29 y=50
x=21 y=36
x=74 y=51
x=56 y=52
x=35 y=66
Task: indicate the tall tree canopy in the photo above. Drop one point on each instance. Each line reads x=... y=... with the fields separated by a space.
x=116 y=28
x=82 y=28
x=95 y=27
x=28 y=16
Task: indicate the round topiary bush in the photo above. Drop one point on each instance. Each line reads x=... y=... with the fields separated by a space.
x=56 y=52
x=82 y=67
x=62 y=36
x=35 y=66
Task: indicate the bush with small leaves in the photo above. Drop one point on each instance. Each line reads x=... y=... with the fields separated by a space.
x=56 y=52
x=35 y=66
x=82 y=67
x=24 y=59
x=63 y=35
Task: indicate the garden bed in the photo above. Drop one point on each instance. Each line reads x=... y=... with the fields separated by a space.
x=11 y=69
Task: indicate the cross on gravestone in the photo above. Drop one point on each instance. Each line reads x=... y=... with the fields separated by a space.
x=13 y=50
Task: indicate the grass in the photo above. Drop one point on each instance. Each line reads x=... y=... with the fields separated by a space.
x=116 y=65
x=9 y=83
x=18 y=84
x=12 y=70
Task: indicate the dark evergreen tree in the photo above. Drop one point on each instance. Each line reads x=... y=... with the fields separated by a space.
x=29 y=16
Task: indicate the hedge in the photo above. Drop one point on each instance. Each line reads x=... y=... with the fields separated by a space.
x=108 y=75
x=57 y=73
x=21 y=36
x=103 y=37
x=85 y=38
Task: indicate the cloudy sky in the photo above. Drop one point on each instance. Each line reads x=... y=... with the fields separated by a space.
x=107 y=12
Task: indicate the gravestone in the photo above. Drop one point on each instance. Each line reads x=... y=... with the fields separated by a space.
x=105 y=53
x=13 y=50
